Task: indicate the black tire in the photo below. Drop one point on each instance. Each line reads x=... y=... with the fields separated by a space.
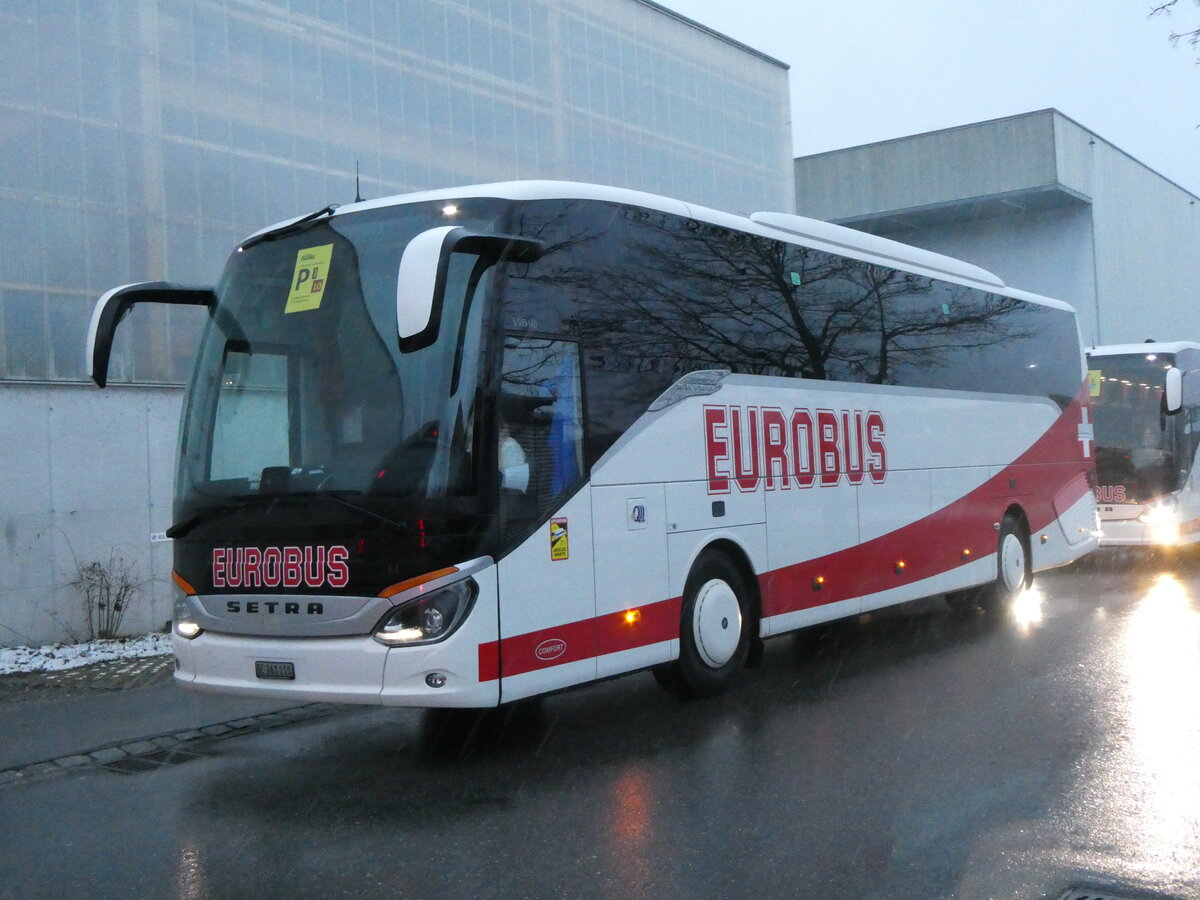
x=1013 y=572
x=717 y=626
x=964 y=601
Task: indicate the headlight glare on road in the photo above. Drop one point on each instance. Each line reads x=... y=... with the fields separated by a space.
x=427 y=618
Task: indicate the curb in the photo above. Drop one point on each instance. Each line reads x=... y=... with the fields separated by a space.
x=109 y=675
x=131 y=756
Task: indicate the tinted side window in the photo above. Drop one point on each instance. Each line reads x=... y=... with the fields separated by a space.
x=564 y=295
x=540 y=433
x=1039 y=353
x=652 y=296
x=1189 y=361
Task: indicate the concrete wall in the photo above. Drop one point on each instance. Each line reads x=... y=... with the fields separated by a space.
x=85 y=475
x=1038 y=199
x=1147 y=237
x=143 y=139
x=927 y=170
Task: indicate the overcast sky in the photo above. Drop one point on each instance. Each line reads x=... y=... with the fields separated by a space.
x=870 y=70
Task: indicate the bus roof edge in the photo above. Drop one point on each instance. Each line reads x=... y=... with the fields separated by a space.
x=885 y=248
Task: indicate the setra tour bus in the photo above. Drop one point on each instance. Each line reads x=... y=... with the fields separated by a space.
x=461 y=447
x=1146 y=408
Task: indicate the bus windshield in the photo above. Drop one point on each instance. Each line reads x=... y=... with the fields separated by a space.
x=1135 y=440
x=300 y=388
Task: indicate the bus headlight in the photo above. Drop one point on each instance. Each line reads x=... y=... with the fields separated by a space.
x=182 y=622
x=186 y=628
x=429 y=618
x=1162 y=518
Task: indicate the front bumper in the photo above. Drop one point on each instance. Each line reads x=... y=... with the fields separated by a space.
x=337 y=670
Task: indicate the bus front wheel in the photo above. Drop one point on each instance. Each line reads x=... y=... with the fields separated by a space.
x=716 y=625
x=1013 y=571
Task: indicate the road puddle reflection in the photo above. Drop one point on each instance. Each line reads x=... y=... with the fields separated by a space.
x=632 y=802
x=190 y=880
x=1161 y=664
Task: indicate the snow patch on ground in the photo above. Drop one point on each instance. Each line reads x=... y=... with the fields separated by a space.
x=54 y=657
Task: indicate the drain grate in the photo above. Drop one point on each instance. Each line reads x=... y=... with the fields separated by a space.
x=148 y=762
x=130 y=766
x=172 y=757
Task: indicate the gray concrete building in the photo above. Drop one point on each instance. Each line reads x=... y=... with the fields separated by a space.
x=1043 y=202
x=140 y=140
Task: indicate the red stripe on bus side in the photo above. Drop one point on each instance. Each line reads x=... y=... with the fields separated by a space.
x=933 y=545
x=928 y=547
x=657 y=622
x=489 y=661
x=585 y=639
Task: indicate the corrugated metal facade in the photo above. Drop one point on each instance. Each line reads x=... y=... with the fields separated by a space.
x=141 y=140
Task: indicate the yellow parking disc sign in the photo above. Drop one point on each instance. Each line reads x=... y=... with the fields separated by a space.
x=308 y=281
x=559 y=547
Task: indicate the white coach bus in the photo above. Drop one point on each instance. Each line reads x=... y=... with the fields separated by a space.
x=466 y=446
x=1146 y=404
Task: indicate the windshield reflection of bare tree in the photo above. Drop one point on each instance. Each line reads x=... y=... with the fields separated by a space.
x=719 y=298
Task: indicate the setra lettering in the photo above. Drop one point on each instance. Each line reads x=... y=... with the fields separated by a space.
x=273 y=607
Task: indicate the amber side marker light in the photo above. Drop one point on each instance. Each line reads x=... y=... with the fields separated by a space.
x=900 y=567
x=182 y=584
x=966 y=553
x=633 y=616
x=818 y=582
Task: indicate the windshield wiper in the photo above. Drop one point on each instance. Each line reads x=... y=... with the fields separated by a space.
x=208 y=513
x=290 y=228
x=339 y=498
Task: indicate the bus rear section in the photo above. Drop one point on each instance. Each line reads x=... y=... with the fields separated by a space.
x=1146 y=404
x=465 y=447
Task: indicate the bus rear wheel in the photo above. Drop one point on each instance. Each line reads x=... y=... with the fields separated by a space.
x=716 y=629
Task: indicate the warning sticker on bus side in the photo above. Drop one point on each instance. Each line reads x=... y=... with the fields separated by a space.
x=1094 y=382
x=558 y=539
x=308 y=281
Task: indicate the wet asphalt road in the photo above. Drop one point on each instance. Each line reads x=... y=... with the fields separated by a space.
x=912 y=753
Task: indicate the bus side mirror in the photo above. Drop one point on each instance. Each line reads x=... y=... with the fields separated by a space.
x=115 y=305
x=1173 y=398
x=421 y=281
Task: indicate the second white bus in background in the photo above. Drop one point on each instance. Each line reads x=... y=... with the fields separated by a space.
x=1146 y=403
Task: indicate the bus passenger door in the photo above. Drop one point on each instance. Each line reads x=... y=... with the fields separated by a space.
x=547 y=583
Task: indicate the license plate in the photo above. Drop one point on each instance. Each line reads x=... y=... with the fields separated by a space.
x=280 y=671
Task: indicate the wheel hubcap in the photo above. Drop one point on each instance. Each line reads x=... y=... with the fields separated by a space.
x=1012 y=563
x=716 y=623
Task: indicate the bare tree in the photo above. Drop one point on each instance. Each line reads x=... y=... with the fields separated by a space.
x=107 y=588
x=1192 y=38
x=708 y=298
